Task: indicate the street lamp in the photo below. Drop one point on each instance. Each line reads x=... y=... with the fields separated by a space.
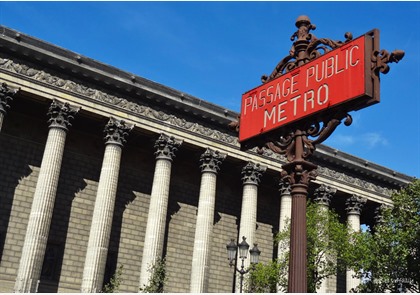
x=243 y=253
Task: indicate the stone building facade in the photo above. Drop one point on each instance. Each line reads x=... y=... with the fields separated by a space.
x=101 y=168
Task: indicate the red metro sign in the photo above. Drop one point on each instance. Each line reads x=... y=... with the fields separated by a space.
x=336 y=79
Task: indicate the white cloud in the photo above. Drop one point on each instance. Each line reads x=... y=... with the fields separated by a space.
x=340 y=139
x=373 y=139
x=368 y=140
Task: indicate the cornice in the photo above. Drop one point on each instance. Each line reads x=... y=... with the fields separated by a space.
x=357 y=166
x=74 y=64
x=93 y=80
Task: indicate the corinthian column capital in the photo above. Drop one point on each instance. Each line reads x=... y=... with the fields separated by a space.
x=210 y=161
x=354 y=204
x=378 y=213
x=251 y=173
x=6 y=95
x=116 y=131
x=60 y=114
x=284 y=187
x=323 y=194
x=166 y=146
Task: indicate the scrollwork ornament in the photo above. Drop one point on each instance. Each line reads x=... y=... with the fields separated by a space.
x=285 y=145
x=381 y=58
x=61 y=114
x=305 y=43
x=210 y=161
x=299 y=173
x=116 y=131
x=166 y=147
x=252 y=172
x=6 y=96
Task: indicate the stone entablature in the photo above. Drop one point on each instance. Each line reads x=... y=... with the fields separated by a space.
x=211 y=131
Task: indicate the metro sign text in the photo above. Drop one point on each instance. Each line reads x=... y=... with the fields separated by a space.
x=326 y=82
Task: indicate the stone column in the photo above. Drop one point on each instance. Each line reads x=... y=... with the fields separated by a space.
x=94 y=269
x=210 y=162
x=285 y=217
x=378 y=214
x=37 y=231
x=156 y=220
x=6 y=95
x=323 y=195
x=354 y=206
x=251 y=177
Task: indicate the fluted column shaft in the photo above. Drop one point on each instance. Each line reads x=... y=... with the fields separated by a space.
x=248 y=220
x=37 y=231
x=100 y=230
x=323 y=196
x=1 y=120
x=156 y=219
x=6 y=95
x=354 y=206
x=210 y=165
x=251 y=177
x=285 y=215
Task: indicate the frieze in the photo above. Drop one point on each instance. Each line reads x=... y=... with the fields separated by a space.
x=29 y=70
x=353 y=181
x=68 y=85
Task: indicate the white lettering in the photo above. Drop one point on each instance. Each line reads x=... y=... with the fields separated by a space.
x=353 y=63
x=309 y=99
x=292 y=87
x=294 y=99
x=329 y=68
x=248 y=102
x=261 y=98
x=281 y=111
x=309 y=75
x=317 y=78
x=254 y=103
x=324 y=86
x=288 y=88
x=269 y=94
x=269 y=116
x=336 y=65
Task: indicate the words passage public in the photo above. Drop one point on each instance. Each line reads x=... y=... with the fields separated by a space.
x=328 y=81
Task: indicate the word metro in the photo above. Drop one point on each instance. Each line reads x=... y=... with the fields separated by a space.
x=336 y=77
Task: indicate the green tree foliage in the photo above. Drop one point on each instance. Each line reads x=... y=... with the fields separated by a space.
x=263 y=278
x=327 y=242
x=157 y=279
x=387 y=257
x=114 y=282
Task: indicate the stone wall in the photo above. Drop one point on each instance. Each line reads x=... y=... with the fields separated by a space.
x=20 y=158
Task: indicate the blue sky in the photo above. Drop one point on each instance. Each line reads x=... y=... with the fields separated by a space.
x=216 y=51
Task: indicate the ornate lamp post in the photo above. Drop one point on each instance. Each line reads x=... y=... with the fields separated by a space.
x=243 y=253
x=292 y=139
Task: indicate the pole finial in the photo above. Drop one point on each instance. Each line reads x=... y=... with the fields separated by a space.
x=302 y=20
